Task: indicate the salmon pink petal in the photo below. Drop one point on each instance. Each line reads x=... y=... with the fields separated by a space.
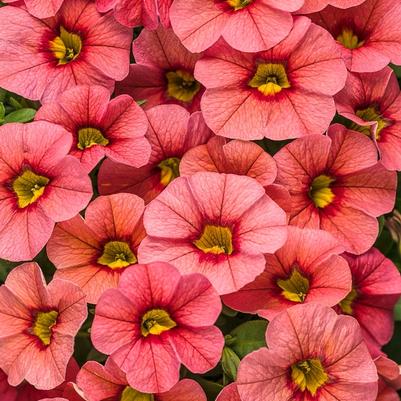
x=143 y=282
x=43 y=9
x=114 y=323
x=229 y=393
x=198 y=349
x=154 y=366
x=312 y=6
x=235 y=157
x=196 y=305
x=256 y=28
x=184 y=390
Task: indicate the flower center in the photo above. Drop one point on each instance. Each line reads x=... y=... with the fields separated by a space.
x=66 y=47
x=169 y=170
x=42 y=327
x=88 y=137
x=295 y=288
x=346 y=303
x=29 y=187
x=309 y=375
x=156 y=321
x=116 y=255
x=349 y=39
x=216 y=240
x=182 y=85
x=129 y=394
x=238 y=4
x=320 y=191
x=270 y=79
x=370 y=114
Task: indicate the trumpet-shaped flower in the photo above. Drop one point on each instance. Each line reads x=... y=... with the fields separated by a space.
x=337 y=185
x=41 y=58
x=372 y=101
x=376 y=288
x=38 y=323
x=109 y=383
x=155 y=320
x=313 y=354
x=163 y=72
x=286 y=92
x=368 y=35
x=299 y=272
x=100 y=127
x=39 y=185
x=247 y=25
x=93 y=252
x=219 y=225
x=172 y=132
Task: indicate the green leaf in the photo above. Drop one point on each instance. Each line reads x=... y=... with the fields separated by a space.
x=249 y=337
x=2 y=111
x=212 y=389
x=20 y=116
x=14 y=103
x=141 y=102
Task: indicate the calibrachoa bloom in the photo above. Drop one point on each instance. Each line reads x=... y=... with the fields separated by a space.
x=40 y=8
x=219 y=225
x=138 y=12
x=369 y=35
x=286 y=92
x=109 y=383
x=172 y=131
x=156 y=320
x=376 y=288
x=27 y=392
x=100 y=127
x=313 y=354
x=163 y=72
x=306 y=269
x=38 y=323
x=93 y=252
x=39 y=185
x=247 y=25
x=337 y=185
x=311 y=6
x=372 y=101
x=41 y=58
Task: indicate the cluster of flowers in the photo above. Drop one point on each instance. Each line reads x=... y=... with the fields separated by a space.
x=193 y=212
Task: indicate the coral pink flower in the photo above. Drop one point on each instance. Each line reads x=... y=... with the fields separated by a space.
x=312 y=6
x=313 y=354
x=229 y=393
x=100 y=127
x=42 y=58
x=369 y=35
x=39 y=185
x=376 y=288
x=389 y=379
x=38 y=323
x=337 y=185
x=138 y=12
x=156 y=320
x=163 y=72
x=172 y=131
x=219 y=225
x=372 y=101
x=283 y=93
x=27 y=392
x=40 y=8
x=93 y=252
x=109 y=382
x=246 y=25
x=299 y=272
